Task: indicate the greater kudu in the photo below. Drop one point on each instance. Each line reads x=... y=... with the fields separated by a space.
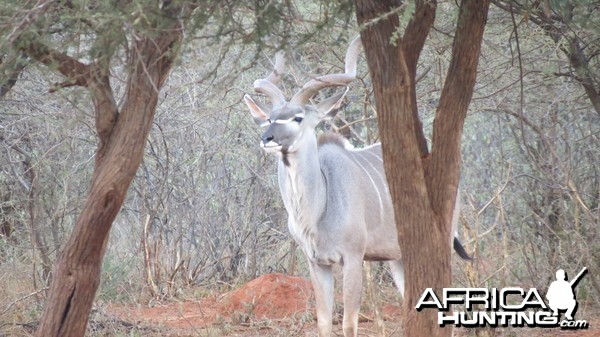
x=339 y=207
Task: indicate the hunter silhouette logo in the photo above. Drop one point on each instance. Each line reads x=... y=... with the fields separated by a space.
x=512 y=306
x=561 y=295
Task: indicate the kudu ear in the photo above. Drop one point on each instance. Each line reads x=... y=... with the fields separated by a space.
x=329 y=107
x=258 y=111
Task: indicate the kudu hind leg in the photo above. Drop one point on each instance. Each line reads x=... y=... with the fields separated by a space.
x=397 y=271
x=322 y=280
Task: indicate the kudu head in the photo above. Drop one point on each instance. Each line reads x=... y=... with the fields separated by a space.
x=288 y=121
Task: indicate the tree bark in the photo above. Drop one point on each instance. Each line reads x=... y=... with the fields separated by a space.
x=413 y=41
x=122 y=137
x=444 y=171
x=423 y=187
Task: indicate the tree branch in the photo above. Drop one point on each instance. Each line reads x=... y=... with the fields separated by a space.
x=105 y=108
x=11 y=78
x=412 y=43
x=417 y=31
x=556 y=28
x=32 y=15
x=443 y=173
x=93 y=76
x=75 y=71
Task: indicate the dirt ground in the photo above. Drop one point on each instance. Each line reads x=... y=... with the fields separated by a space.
x=271 y=305
x=270 y=297
x=276 y=305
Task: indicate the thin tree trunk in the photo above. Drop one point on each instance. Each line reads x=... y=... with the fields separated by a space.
x=425 y=264
x=423 y=187
x=122 y=136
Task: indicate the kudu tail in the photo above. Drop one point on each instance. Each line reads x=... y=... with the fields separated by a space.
x=460 y=250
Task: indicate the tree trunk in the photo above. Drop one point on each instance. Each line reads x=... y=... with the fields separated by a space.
x=123 y=136
x=423 y=186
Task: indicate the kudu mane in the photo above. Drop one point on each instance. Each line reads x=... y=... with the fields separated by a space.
x=332 y=138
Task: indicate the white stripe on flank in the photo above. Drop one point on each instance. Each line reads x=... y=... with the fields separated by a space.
x=379 y=173
x=368 y=148
x=381 y=211
x=375 y=154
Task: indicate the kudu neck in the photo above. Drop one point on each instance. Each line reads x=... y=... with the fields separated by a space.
x=303 y=155
x=303 y=169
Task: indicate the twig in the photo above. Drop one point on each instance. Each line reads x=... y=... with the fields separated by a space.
x=23 y=298
x=491 y=275
x=498 y=192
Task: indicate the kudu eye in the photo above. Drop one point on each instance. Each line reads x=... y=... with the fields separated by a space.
x=298 y=119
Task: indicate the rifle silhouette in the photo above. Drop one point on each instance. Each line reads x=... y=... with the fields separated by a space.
x=576 y=279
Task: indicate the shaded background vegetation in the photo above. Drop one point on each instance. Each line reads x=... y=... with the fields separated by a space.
x=204 y=212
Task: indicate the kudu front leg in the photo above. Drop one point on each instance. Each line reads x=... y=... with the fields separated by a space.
x=322 y=280
x=352 y=272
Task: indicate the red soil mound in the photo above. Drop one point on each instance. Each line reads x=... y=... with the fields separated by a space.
x=272 y=296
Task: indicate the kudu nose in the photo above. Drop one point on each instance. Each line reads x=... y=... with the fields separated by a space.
x=267 y=138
